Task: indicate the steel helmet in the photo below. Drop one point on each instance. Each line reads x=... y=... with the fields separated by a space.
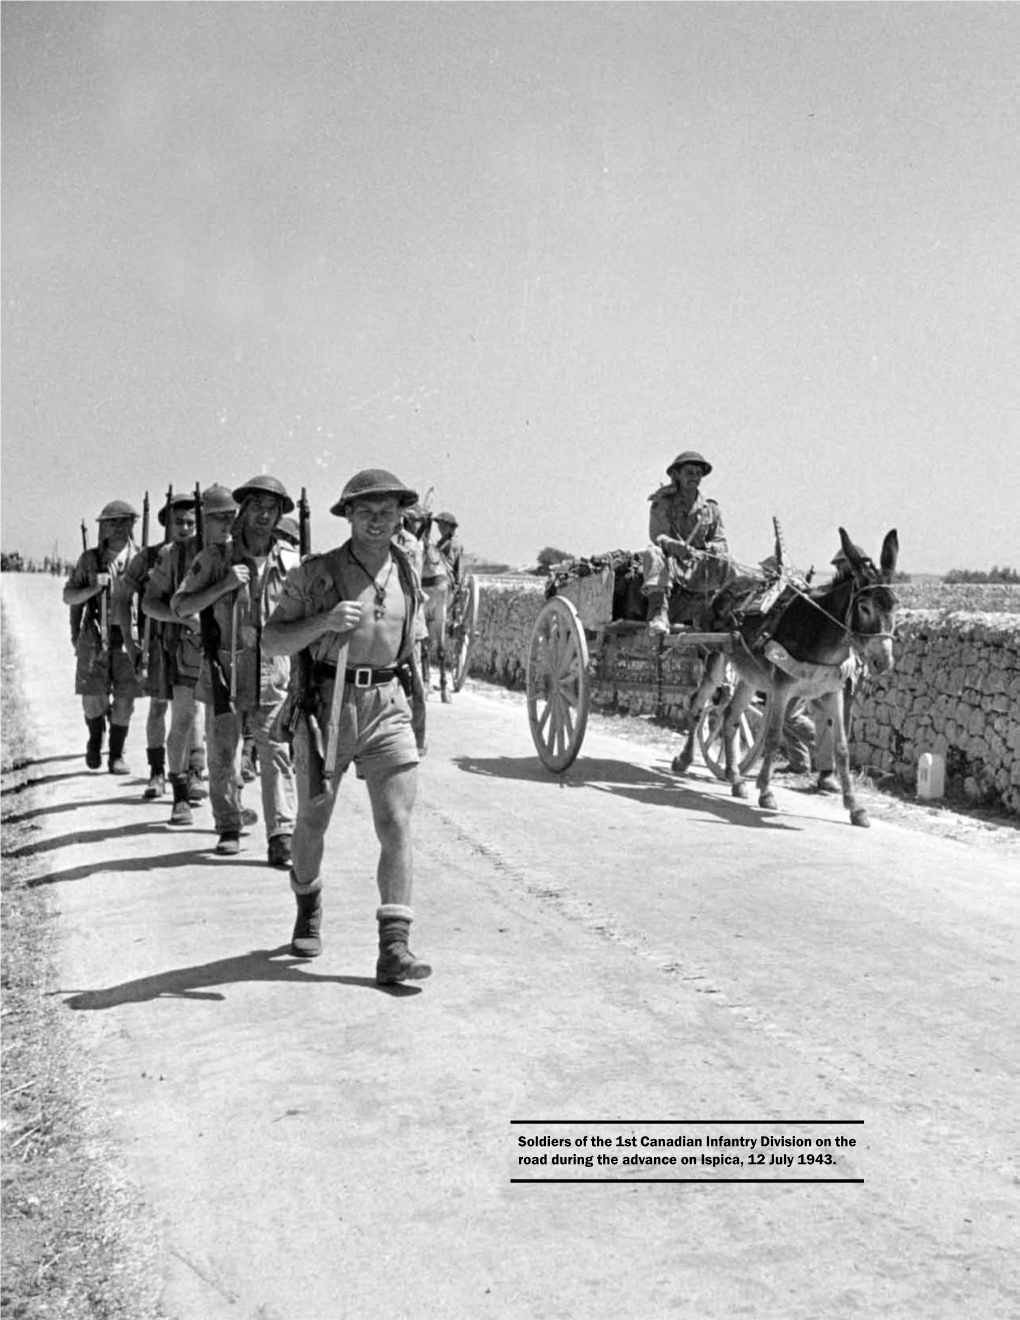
x=182 y=501
x=447 y=518
x=218 y=499
x=689 y=456
x=265 y=486
x=840 y=557
x=116 y=509
x=373 y=481
x=288 y=530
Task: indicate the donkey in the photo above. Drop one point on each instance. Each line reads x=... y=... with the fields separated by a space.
x=814 y=642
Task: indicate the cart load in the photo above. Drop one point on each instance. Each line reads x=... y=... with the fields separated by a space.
x=590 y=647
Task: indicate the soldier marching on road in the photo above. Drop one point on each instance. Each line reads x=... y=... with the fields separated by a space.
x=105 y=678
x=450 y=548
x=180 y=651
x=348 y=616
x=235 y=584
x=146 y=652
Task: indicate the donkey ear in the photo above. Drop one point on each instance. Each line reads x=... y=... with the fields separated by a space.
x=851 y=551
x=890 y=552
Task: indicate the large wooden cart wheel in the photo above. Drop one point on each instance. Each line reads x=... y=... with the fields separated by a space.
x=558 y=684
x=465 y=622
x=750 y=736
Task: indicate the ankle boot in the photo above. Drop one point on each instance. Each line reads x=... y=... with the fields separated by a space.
x=118 y=737
x=396 y=962
x=658 y=612
x=196 y=770
x=156 y=786
x=94 y=749
x=306 y=941
x=181 y=812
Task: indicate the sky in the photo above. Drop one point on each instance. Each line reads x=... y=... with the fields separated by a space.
x=520 y=255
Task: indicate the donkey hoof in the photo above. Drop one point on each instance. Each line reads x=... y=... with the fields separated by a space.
x=680 y=764
x=739 y=790
x=768 y=801
x=860 y=817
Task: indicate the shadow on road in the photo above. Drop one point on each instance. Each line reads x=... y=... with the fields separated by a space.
x=24 y=762
x=16 y=817
x=87 y=837
x=646 y=784
x=39 y=780
x=195 y=982
x=203 y=856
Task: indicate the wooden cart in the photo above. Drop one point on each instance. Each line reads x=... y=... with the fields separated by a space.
x=580 y=654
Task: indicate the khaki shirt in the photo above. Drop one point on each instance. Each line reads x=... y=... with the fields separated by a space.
x=322 y=581
x=168 y=573
x=453 y=554
x=85 y=619
x=261 y=680
x=701 y=526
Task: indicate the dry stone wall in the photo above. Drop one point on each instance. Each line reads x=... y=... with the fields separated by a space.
x=955 y=689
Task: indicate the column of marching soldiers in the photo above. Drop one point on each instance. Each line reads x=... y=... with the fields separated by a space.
x=181 y=619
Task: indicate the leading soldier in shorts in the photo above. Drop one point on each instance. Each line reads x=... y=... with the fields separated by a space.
x=104 y=678
x=241 y=580
x=356 y=605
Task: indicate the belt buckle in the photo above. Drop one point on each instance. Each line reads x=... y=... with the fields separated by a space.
x=363 y=676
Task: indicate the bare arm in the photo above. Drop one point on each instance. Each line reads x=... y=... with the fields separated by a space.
x=79 y=595
x=85 y=582
x=283 y=636
x=194 y=600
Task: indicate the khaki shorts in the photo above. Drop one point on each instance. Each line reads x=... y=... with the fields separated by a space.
x=375 y=729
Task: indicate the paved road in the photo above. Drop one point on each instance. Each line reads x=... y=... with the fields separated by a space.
x=614 y=946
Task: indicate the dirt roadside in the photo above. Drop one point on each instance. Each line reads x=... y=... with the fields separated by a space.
x=74 y=1243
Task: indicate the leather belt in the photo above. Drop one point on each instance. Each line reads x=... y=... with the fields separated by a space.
x=360 y=676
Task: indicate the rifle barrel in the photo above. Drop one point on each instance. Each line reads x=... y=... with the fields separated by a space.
x=304 y=525
x=199 y=525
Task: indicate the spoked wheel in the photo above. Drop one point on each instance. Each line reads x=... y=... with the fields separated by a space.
x=558 y=684
x=462 y=628
x=750 y=736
